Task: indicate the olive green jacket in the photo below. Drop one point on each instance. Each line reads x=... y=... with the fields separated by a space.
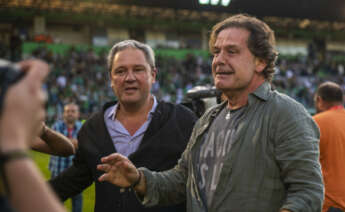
x=273 y=163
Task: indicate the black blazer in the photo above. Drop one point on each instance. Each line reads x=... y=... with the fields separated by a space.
x=161 y=147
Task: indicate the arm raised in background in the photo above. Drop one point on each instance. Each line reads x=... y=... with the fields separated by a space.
x=20 y=123
x=53 y=142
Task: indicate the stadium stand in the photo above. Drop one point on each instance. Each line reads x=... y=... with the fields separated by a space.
x=80 y=74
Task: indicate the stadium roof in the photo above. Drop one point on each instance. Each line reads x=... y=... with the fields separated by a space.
x=324 y=10
x=282 y=15
x=328 y=10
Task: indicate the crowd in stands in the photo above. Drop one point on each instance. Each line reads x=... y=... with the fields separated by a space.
x=80 y=76
x=299 y=77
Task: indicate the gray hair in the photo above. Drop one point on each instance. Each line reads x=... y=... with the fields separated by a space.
x=146 y=49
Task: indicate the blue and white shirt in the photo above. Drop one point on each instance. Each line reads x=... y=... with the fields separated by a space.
x=57 y=163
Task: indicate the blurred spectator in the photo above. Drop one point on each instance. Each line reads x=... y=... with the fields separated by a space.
x=329 y=103
x=69 y=127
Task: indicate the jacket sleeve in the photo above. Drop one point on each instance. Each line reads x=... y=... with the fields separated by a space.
x=297 y=154
x=74 y=179
x=167 y=187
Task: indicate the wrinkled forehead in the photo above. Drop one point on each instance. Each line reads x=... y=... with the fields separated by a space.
x=232 y=36
x=130 y=55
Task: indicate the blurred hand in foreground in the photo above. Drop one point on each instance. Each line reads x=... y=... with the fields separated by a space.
x=23 y=109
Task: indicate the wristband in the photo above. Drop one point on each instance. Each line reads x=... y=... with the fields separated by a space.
x=137 y=181
x=10 y=156
x=13 y=155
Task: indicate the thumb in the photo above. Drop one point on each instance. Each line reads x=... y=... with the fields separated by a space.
x=36 y=70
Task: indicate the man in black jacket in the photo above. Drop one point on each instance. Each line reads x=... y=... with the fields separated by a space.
x=150 y=133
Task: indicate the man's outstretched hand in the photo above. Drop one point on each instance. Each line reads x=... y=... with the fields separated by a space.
x=120 y=171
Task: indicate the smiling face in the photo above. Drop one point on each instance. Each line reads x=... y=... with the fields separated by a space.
x=131 y=77
x=234 y=67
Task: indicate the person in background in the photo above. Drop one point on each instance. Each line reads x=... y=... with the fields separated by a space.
x=69 y=127
x=20 y=122
x=257 y=151
x=149 y=132
x=330 y=117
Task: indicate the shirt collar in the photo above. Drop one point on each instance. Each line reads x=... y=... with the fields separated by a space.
x=263 y=91
x=112 y=114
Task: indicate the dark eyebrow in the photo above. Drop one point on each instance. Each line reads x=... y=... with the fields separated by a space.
x=230 y=46
x=115 y=68
x=227 y=47
x=139 y=65
x=135 y=66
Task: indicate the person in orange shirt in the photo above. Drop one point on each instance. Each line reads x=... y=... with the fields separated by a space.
x=330 y=118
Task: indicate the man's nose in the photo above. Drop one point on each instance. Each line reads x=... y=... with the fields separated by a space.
x=130 y=76
x=219 y=58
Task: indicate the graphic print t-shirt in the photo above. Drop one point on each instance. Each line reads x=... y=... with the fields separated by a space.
x=214 y=149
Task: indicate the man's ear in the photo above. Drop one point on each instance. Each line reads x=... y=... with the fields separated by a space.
x=320 y=101
x=154 y=74
x=323 y=105
x=111 y=82
x=260 y=65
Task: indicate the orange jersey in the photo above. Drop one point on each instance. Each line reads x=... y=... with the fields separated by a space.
x=332 y=155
